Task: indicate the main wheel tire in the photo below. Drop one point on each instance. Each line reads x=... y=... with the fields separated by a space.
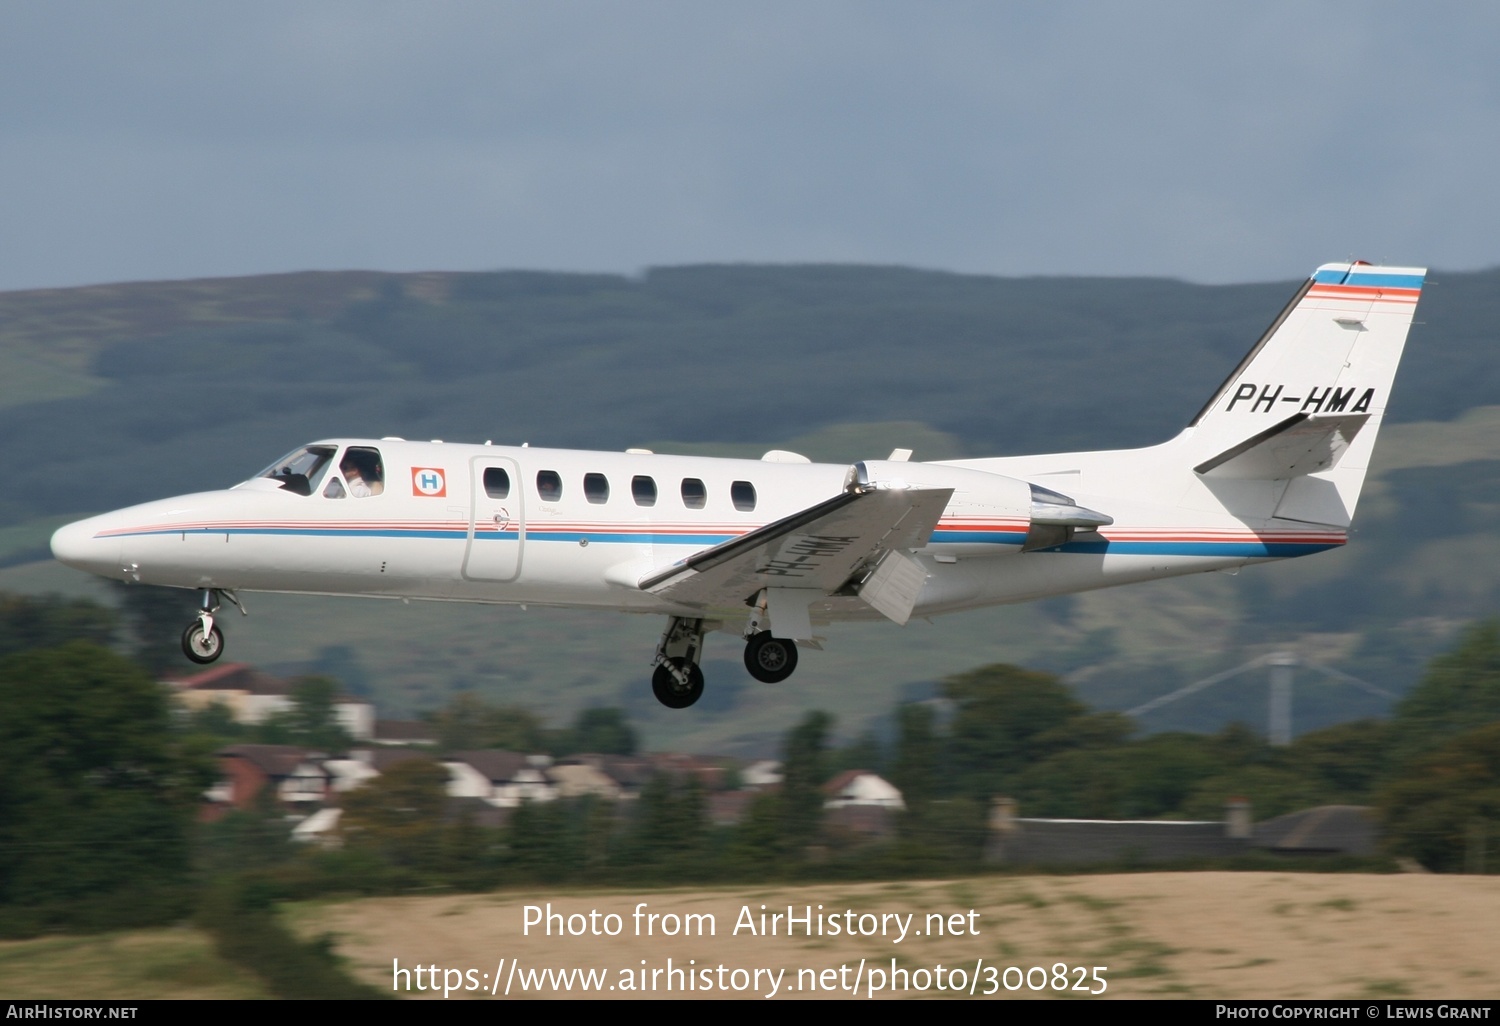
x=201 y=648
x=770 y=660
x=673 y=694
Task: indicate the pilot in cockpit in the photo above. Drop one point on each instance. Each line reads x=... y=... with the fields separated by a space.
x=362 y=471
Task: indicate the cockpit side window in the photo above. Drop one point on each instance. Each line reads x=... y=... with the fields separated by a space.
x=363 y=471
x=300 y=471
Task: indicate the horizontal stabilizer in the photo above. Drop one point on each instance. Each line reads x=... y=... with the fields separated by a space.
x=818 y=549
x=1300 y=445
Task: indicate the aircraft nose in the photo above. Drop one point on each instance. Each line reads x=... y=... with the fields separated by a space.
x=76 y=545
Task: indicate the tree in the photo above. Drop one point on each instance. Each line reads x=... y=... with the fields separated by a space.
x=97 y=792
x=864 y=752
x=803 y=774
x=1347 y=760
x=311 y=722
x=1460 y=692
x=155 y=617
x=399 y=815
x=1007 y=719
x=314 y=718
x=603 y=731
x=468 y=722
x=757 y=845
x=915 y=770
x=27 y=622
x=671 y=825
x=1447 y=802
x=546 y=840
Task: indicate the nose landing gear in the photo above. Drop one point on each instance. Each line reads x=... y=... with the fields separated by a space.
x=202 y=641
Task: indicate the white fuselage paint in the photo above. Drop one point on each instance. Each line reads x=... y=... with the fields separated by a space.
x=456 y=543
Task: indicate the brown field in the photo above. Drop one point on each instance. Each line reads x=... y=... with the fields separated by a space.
x=1199 y=935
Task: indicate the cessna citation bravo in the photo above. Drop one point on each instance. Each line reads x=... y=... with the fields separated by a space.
x=774 y=548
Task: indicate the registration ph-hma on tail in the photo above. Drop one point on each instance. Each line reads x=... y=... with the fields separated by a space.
x=773 y=549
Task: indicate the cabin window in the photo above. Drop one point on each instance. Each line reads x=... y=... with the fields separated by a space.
x=334 y=489
x=596 y=488
x=549 y=485
x=496 y=483
x=643 y=489
x=743 y=494
x=363 y=471
x=301 y=470
x=694 y=493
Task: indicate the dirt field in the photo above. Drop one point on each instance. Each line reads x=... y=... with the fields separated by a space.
x=1201 y=935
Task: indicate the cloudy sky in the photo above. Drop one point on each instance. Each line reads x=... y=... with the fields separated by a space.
x=1210 y=142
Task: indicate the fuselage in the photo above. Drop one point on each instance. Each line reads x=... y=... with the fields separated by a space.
x=501 y=524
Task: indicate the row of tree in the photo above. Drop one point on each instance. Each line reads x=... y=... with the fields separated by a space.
x=100 y=785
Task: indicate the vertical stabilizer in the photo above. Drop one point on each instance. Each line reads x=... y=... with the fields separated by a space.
x=1305 y=405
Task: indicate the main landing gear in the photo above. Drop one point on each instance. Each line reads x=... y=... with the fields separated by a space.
x=202 y=641
x=770 y=660
x=677 y=681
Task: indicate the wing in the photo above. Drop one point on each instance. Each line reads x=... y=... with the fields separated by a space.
x=807 y=555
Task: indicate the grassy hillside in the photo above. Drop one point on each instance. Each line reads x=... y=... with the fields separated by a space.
x=177 y=964
x=132 y=391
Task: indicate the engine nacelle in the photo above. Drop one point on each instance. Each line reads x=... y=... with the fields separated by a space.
x=989 y=514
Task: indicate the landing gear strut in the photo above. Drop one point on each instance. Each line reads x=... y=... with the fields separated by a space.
x=202 y=641
x=769 y=660
x=677 y=681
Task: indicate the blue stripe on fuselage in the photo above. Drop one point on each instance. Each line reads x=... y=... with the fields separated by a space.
x=1246 y=549
x=980 y=537
x=1235 y=549
x=1361 y=278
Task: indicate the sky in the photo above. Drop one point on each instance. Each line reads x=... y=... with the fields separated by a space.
x=1210 y=142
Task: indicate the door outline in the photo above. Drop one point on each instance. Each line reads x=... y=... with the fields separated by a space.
x=487 y=558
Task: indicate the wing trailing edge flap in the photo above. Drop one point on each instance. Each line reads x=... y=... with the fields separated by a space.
x=819 y=551
x=893 y=589
x=1300 y=445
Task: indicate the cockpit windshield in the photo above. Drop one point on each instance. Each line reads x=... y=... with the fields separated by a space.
x=299 y=471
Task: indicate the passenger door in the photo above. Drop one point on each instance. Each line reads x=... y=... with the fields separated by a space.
x=497 y=520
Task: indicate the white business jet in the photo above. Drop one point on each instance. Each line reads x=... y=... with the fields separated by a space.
x=774 y=548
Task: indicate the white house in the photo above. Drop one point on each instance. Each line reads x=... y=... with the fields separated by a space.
x=504 y=779
x=861 y=787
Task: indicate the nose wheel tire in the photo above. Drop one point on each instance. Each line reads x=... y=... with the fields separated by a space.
x=201 y=647
x=671 y=692
x=770 y=660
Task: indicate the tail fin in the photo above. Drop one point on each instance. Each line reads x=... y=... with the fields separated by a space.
x=1306 y=403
